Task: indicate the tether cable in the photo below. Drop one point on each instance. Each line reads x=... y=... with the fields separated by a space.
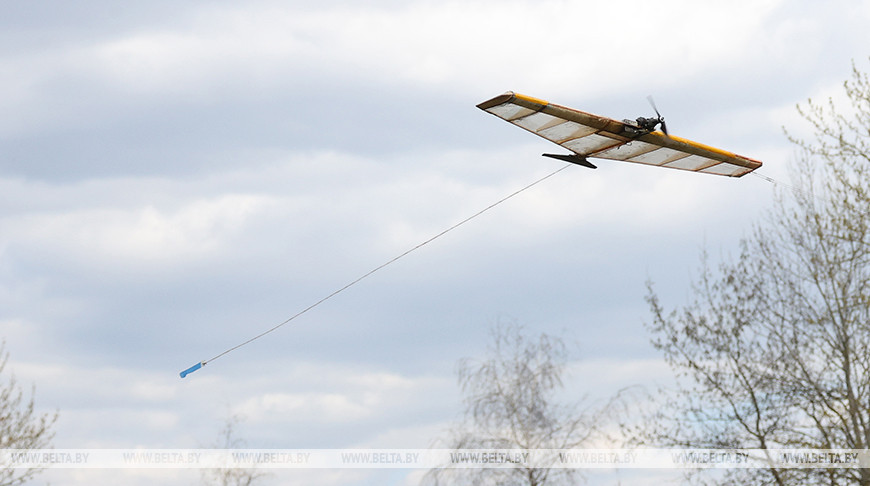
x=794 y=189
x=370 y=272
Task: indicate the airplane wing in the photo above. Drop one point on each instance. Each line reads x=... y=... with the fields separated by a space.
x=589 y=135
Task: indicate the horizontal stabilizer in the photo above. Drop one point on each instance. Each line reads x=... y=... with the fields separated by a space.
x=573 y=158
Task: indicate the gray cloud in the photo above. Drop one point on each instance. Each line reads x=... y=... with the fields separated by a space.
x=175 y=179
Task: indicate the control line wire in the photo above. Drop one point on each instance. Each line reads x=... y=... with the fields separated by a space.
x=783 y=184
x=370 y=272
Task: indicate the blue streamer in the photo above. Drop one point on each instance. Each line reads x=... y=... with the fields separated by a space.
x=192 y=369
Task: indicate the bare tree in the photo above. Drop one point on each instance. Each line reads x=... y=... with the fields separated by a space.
x=774 y=350
x=231 y=476
x=20 y=426
x=511 y=403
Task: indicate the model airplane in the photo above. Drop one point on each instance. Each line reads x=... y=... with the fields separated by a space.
x=588 y=135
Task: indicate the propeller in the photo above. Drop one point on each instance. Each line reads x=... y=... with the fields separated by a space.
x=660 y=118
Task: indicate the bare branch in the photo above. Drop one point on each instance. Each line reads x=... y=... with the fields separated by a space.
x=772 y=351
x=20 y=426
x=511 y=403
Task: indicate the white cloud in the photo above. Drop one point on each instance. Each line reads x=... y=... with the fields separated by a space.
x=128 y=477
x=296 y=407
x=273 y=223
x=615 y=374
x=139 y=236
x=549 y=47
x=332 y=394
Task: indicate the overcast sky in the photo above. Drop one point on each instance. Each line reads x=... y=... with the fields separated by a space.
x=176 y=177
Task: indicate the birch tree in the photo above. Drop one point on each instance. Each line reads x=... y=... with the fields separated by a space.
x=774 y=349
x=21 y=427
x=512 y=402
